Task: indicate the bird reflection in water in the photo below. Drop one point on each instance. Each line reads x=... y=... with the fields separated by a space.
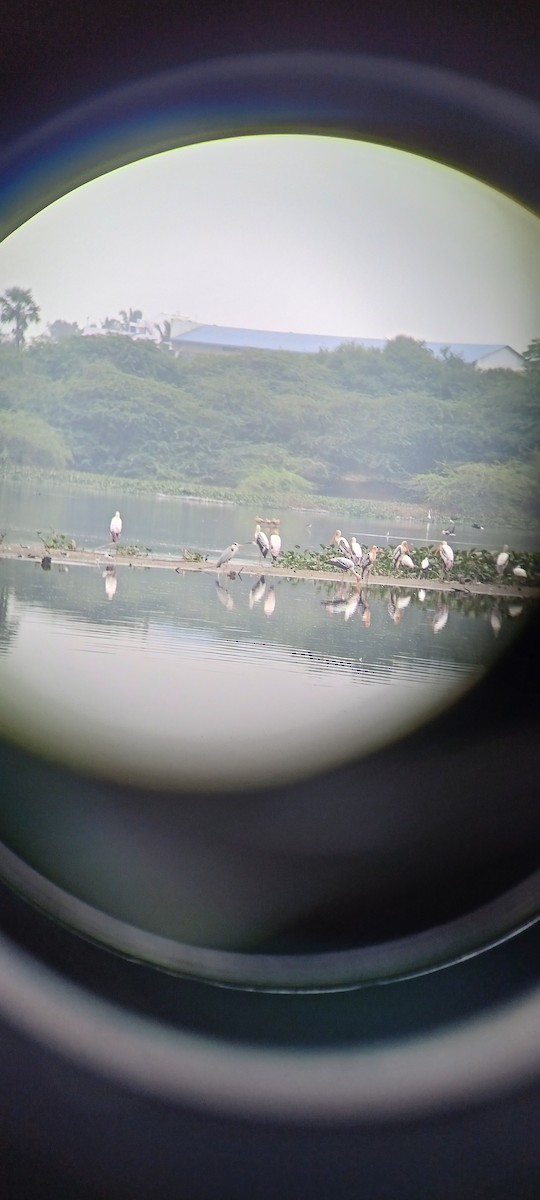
x=111 y=582
x=440 y=618
x=269 y=602
x=495 y=620
x=394 y=611
x=256 y=593
x=347 y=606
x=224 y=596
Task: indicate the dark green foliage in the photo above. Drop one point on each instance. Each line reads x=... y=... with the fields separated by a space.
x=290 y=425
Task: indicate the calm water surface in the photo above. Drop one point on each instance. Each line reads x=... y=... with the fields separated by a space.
x=155 y=676
x=170 y=525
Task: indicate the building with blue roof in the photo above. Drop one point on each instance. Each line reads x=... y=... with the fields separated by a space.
x=187 y=336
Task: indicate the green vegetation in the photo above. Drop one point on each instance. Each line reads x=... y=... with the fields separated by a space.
x=470 y=566
x=57 y=541
x=377 y=427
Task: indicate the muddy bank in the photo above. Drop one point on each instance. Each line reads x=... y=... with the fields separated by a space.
x=79 y=558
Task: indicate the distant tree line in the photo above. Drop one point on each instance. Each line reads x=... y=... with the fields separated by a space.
x=447 y=435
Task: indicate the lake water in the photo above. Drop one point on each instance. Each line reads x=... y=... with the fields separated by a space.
x=170 y=525
x=148 y=675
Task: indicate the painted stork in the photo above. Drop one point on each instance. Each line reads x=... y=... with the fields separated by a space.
x=447 y=556
x=342 y=543
x=399 y=551
x=116 y=527
x=275 y=545
x=260 y=539
x=367 y=561
x=345 y=563
x=356 y=549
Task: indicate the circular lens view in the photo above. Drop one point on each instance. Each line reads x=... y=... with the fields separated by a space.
x=269 y=447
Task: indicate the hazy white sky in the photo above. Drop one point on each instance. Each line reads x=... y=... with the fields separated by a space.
x=307 y=234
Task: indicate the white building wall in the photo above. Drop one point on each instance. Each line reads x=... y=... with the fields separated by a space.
x=505 y=358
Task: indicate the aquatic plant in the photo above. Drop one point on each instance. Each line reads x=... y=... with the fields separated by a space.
x=57 y=541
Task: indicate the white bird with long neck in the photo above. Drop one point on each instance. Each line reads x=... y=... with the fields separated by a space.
x=447 y=556
x=356 y=548
x=502 y=560
x=342 y=543
x=115 y=527
x=261 y=540
x=275 y=546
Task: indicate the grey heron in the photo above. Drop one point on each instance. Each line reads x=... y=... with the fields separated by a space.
x=227 y=554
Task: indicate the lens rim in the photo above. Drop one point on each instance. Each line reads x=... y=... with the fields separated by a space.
x=434 y=113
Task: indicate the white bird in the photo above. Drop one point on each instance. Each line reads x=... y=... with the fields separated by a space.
x=520 y=572
x=356 y=548
x=228 y=554
x=447 y=556
x=424 y=564
x=269 y=602
x=406 y=561
x=260 y=539
x=502 y=560
x=275 y=545
x=342 y=543
x=429 y=514
x=116 y=527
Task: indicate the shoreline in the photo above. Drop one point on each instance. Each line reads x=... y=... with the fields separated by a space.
x=100 y=558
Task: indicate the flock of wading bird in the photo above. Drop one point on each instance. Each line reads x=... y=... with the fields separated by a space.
x=353 y=560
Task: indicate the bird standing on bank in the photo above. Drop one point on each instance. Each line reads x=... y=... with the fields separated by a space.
x=116 y=527
x=229 y=553
x=502 y=560
x=366 y=562
x=275 y=546
x=342 y=543
x=447 y=556
x=261 y=540
x=399 y=552
x=356 y=549
x=345 y=563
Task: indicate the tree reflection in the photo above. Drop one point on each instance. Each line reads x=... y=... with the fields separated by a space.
x=9 y=624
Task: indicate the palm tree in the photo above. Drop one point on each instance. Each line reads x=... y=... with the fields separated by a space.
x=131 y=315
x=18 y=308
